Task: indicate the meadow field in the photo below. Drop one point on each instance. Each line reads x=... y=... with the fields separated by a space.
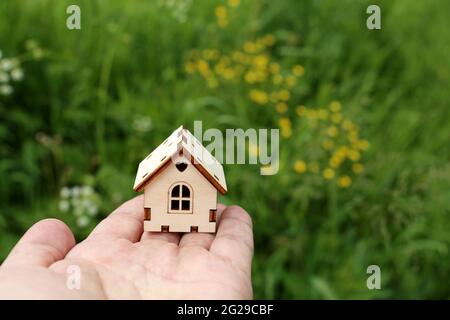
x=364 y=170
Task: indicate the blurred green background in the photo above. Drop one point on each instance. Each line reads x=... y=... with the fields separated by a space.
x=363 y=115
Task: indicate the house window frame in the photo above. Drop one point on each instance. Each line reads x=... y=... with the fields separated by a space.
x=180 y=198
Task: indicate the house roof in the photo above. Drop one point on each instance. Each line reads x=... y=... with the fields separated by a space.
x=181 y=142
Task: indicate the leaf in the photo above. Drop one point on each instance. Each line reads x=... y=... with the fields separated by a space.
x=322 y=287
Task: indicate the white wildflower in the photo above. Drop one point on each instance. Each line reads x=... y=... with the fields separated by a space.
x=76 y=191
x=37 y=53
x=4 y=77
x=14 y=62
x=6 y=64
x=178 y=8
x=87 y=191
x=82 y=221
x=86 y=203
x=30 y=44
x=64 y=205
x=142 y=124
x=92 y=210
x=17 y=74
x=78 y=210
x=79 y=201
x=65 y=192
x=6 y=89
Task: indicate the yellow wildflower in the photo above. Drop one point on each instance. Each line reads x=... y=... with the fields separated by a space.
x=222 y=16
x=281 y=107
x=251 y=47
x=250 y=77
x=354 y=155
x=343 y=151
x=322 y=114
x=298 y=70
x=219 y=68
x=286 y=128
x=277 y=79
x=291 y=81
x=203 y=67
x=260 y=61
x=300 y=166
x=238 y=56
x=335 y=106
x=221 y=11
x=353 y=137
x=348 y=125
x=259 y=96
x=363 y=144
x=190 y=67
x=228 y=74
x=210 y=54
x=300 y=110
x=268 y=40
x=312 y=114
x=234 y=3
x=336 y=117
x=284 y=122
x=344 y=181
x=328 y=144
x=284 y=95
x=328 y=173
x=274 y=67
x=357 y=168
x=335 y=161
x=286 y=132
x=225 y=60
x=332 y=131
x=260 y=75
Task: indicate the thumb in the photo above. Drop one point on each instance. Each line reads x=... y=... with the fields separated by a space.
x=43 y=244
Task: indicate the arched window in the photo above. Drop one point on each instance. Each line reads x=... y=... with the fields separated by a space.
x=180 y=198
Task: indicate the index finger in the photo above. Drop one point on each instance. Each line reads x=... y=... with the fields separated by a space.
x=126 y=222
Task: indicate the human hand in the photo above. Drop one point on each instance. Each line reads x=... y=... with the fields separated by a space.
x=120 y=261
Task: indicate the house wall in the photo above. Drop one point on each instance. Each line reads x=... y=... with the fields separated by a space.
x=157 y=196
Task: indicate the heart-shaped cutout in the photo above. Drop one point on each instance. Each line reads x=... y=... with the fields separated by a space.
x=181 y=166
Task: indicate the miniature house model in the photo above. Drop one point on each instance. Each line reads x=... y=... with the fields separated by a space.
x=180 y=179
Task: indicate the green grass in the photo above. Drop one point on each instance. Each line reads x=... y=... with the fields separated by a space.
x=312 y=238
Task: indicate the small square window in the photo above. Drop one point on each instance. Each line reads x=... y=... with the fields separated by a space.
x=175 y=205
x=185 y=205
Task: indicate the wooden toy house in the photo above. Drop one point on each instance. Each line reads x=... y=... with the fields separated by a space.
x=180 y=179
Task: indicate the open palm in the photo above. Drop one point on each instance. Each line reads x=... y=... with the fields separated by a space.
x=120 y=261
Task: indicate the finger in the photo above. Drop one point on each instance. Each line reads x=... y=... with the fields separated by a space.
x=202 y=240
x=220 y=209
x=234 y=239
x=126 y=222
x=171 y=237
x=195 y=239
x=43 y=244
